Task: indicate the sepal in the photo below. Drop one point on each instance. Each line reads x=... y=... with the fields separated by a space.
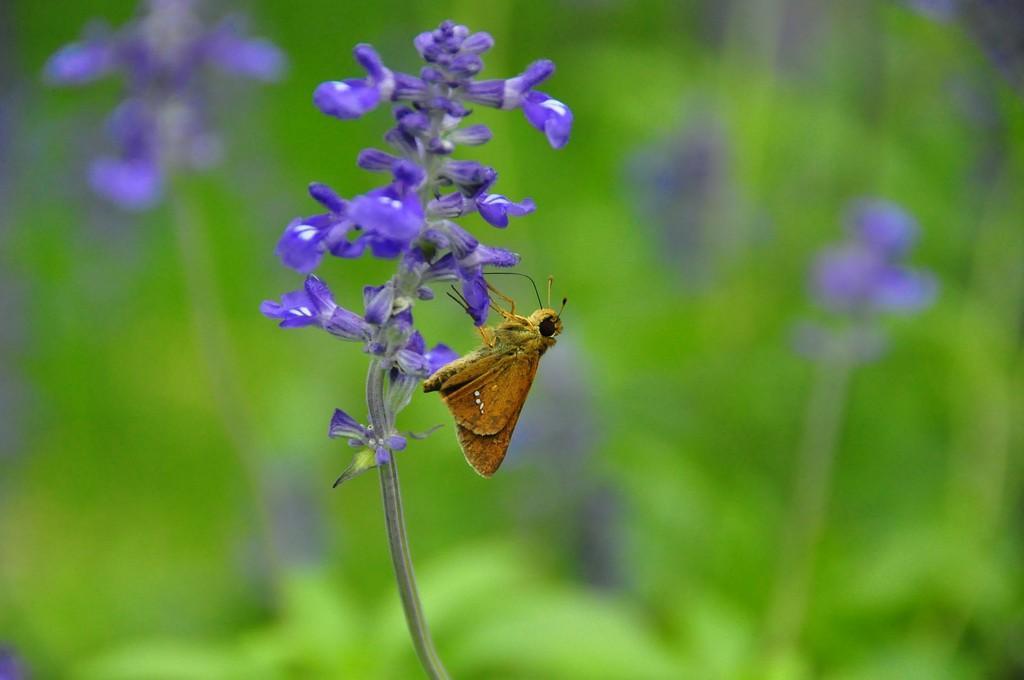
x=361 y=462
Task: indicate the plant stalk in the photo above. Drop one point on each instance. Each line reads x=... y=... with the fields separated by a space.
x=806 y=516
x=219 y=368
x=394 y=522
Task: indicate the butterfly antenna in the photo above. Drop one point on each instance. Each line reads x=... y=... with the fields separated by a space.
x=525 y=276
x=454 y=294
x=564 y=300
x=551 y=279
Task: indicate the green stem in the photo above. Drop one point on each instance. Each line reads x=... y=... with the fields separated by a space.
x=218 y=366
x=806 y=516
x=394 y=521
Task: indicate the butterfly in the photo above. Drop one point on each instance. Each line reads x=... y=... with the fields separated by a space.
x=485 y=390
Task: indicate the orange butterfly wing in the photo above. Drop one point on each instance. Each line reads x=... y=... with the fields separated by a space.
x=487 y=408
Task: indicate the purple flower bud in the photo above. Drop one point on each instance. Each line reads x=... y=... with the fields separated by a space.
x=408 y=88
x=375 y=160
x=347 y=325
x=478 y=43
x=408 y=176
x=466 y=65
x=402 y=141
x=327 y=197
x=471 y=177
x=425 y=45
x=473 y=135
x=382 y=456
x=379 y=301
x=550 y=116
x=397 y=442
x=412 y=122
x=449 y=206
x=431 y=75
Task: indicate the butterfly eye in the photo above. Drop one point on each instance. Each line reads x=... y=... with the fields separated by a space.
x=547 y=327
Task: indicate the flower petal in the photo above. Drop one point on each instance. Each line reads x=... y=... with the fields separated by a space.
x=133 y=184
x=80 y=63
x=496 y=208
x=550 y=116
x=344 y=425
x=440 y=355
x=346 y=99
x=301 y=245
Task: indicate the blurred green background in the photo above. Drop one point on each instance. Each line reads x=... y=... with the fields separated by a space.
x=634 y=531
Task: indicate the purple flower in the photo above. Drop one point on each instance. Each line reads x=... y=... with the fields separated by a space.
x=352 y=98
x=496 y=209
x=161 y=125
x=304 y=241
x=550 y=116
x=227 y=49
x=314 y=305
x=852 y=278
x=360 y=436
x=390 y=218
x=866 y=274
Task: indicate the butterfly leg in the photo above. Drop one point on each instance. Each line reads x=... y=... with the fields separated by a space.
x=487 y=334
x=506 y=298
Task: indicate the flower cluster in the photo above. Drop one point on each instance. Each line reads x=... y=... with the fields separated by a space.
x=866 y=275
x=411 y=219
x=162 y=122
x=680 y=184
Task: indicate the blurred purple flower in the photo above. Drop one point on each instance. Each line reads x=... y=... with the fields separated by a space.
x=10 y=667
x=998 y=26
x=863 y=277
x=866 y=274
x=161 y=126
x=680 y=185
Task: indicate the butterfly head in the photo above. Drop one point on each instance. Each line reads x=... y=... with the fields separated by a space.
x=547 y=321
